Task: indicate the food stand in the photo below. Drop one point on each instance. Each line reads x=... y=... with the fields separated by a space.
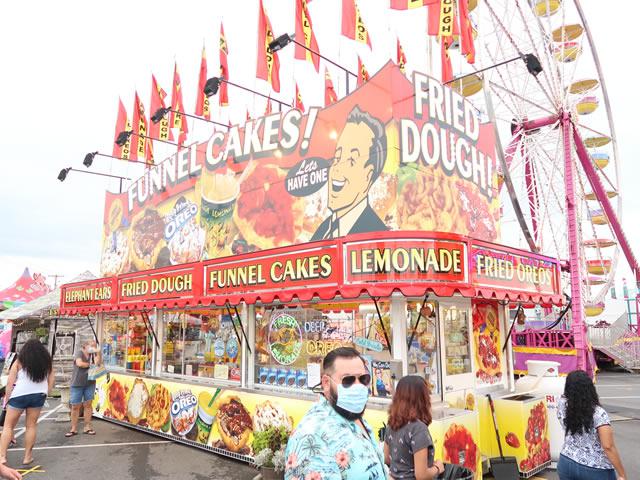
x=220 y=302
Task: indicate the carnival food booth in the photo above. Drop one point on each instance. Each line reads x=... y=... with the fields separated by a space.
x=234 y=267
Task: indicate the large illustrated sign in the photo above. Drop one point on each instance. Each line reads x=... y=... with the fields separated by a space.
x=227 y=420
x=396 y=154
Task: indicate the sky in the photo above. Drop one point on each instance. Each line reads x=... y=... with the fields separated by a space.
x=66 y=63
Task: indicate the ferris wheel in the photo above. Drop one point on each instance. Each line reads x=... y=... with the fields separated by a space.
x=528 y=106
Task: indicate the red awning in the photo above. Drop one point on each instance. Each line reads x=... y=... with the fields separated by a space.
x=519 y=297
x=346 y=271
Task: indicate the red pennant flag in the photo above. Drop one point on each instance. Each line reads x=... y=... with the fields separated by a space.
x=433 y=18
x=329 y=92
x=268 y=67
x=223 y=97
x=409 y=4
x=304 y=30
x=441 y=18
x=447 y=70
x=352 y=25
x=466 y=31
x=401 y=58
x=142 y=148
x=159 y=130
x=123 y=124
x=177 y=119
x=363 y=75
x=202 y=101
x=248 y=116
x=298 y=103
x=267 y=108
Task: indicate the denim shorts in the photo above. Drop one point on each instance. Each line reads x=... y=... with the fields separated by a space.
x=32 y=400
x=571 y=470
x=82 y=394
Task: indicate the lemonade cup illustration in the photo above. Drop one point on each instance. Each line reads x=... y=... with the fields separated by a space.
x=218 y=193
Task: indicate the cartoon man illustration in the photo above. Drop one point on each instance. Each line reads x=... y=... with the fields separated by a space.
x=359 y=159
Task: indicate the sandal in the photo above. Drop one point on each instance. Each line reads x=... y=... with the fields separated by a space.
x=91 y=431
x=70 y=434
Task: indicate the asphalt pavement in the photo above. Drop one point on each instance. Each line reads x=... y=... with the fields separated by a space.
x=120 y=453
x=117 y=452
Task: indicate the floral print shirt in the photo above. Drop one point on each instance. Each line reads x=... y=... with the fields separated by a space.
x=585 y=447
x=326 y=446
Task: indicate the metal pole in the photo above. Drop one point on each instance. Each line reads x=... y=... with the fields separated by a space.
x=481 y=70
x=99 y=174
x=505 y=163
x=575 y=268
x=253 y=91
x=323 y=57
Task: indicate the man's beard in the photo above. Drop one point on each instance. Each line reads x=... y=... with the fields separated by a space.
x=333 y=399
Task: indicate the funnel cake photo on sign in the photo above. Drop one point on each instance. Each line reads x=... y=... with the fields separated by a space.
x=115 y=254
x=147 y=232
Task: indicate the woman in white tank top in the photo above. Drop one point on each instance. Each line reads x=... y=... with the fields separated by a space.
x=30 y=380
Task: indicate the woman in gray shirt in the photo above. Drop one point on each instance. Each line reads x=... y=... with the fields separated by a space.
x=408 y=448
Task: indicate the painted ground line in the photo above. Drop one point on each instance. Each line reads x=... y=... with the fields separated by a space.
x=92 y=445
x=617 y=385
x=615 y=398
x=42 y=417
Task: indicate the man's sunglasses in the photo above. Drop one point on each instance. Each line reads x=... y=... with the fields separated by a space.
x=364 y=379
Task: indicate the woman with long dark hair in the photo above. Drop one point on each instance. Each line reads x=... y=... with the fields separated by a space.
x=408 y=448
x=589 y=452
x=30 y=381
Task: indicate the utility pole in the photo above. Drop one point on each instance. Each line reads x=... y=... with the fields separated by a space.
x=55 y=279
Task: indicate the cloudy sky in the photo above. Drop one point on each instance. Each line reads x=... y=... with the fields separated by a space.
x=66 y=63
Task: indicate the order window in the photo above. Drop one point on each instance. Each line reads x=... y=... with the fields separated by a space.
x=291 y=342
x=423 y=351
x=127 y=342
x=202 y=343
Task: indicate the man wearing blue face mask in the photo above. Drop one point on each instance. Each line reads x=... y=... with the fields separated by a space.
x=332 y=441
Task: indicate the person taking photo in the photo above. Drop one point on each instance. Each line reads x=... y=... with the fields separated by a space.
x=408 y=447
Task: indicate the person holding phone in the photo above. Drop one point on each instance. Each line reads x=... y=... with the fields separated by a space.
x=83 y=389
x=408 y=447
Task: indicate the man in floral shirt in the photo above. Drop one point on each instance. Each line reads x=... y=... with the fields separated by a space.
x=332 y=441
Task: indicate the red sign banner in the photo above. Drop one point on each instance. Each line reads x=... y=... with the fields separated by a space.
x=171 y=284
x=505 y=269
x=300 y=269
x=405 y=261
x=94 y=293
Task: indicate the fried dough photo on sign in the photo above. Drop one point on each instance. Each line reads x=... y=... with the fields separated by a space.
x=271 y=414
x=115 y=254
x=266 y=215
x=146 y=239
x=137 y=403
x=234 y=423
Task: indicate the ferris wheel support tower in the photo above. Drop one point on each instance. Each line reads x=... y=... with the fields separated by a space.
x=570 y=135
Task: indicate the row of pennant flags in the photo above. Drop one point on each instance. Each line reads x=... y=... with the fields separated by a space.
x=448 y=20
